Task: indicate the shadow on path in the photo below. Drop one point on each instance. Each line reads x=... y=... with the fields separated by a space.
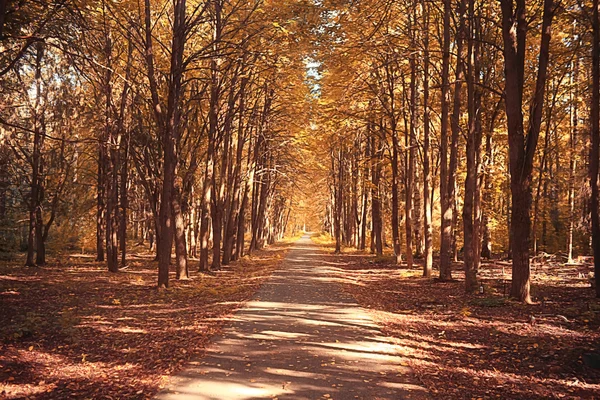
x=299 y=338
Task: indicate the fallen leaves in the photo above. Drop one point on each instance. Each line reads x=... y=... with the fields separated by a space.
x=78 y=331
x=471 y=347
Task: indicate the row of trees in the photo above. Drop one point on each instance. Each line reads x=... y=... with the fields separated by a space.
x=177 y=121
x=439 y=107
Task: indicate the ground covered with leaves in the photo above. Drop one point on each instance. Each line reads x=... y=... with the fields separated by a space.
x=485 y=346
x=73 y=330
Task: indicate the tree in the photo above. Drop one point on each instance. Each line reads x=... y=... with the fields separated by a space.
x=522 y=143
x=595 y=140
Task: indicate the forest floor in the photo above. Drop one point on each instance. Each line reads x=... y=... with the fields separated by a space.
x=73 y=330
x=484 y=346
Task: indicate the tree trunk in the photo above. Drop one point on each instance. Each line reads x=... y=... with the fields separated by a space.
x=337 y=196
x=181 y=252
x=376 y=220
x=395 y=196
x=595 y=143
x=112 y=243
x=428 y=230
x=572 y=151
x=29 y=261
x=471 y=236
x=448 y=167
x=521 y=146
x=124 y=200
x=241 y=222
x=543 y=168
x=205 y=213
x=232 y=219
x=410 y=145
x=168 y=128
x=100 y=196
x=486 y=251
x=40 y=245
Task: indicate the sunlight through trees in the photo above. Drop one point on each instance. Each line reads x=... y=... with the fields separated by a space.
x=457 y=130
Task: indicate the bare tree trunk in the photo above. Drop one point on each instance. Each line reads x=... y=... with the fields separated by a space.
x=543 y=168
x=241 y=222
x=256 y=185
x=205 y=213
x=232 y=219
x=572 y=151
x=376 y=220
x=40 y=245
x=122 y=158
x=35 y=234
x=124 y=200
x=29 y=261
x=428 y=230
x=470 y=235
x=395 y=196
x=410 y=144
x=111 y=176
x=213 y=115
x=486 y=251
x=112 y=243
x=418 y=207
x=446 y=219
x=181 y=251
x=100 y=196
x=337 y=187
x=522 y=147
x=362 y=240
x=595 y=143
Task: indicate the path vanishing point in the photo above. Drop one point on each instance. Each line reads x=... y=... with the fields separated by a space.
x=300 y=337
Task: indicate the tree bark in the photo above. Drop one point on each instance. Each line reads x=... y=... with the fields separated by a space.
x=521 y=146
x=376 y=220
x=572 y=151
x=471 y=234
x=410 y=145
x=181 y=252
x=428 y=230
x=337 y=187
x=169 y=129
x=595 y=142
x=100 y=204
x=232 y=219
x=447 y=167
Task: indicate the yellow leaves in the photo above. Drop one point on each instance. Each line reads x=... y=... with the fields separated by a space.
x=277 y=25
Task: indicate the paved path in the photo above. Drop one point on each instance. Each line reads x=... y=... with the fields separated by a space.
x=299 y=338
